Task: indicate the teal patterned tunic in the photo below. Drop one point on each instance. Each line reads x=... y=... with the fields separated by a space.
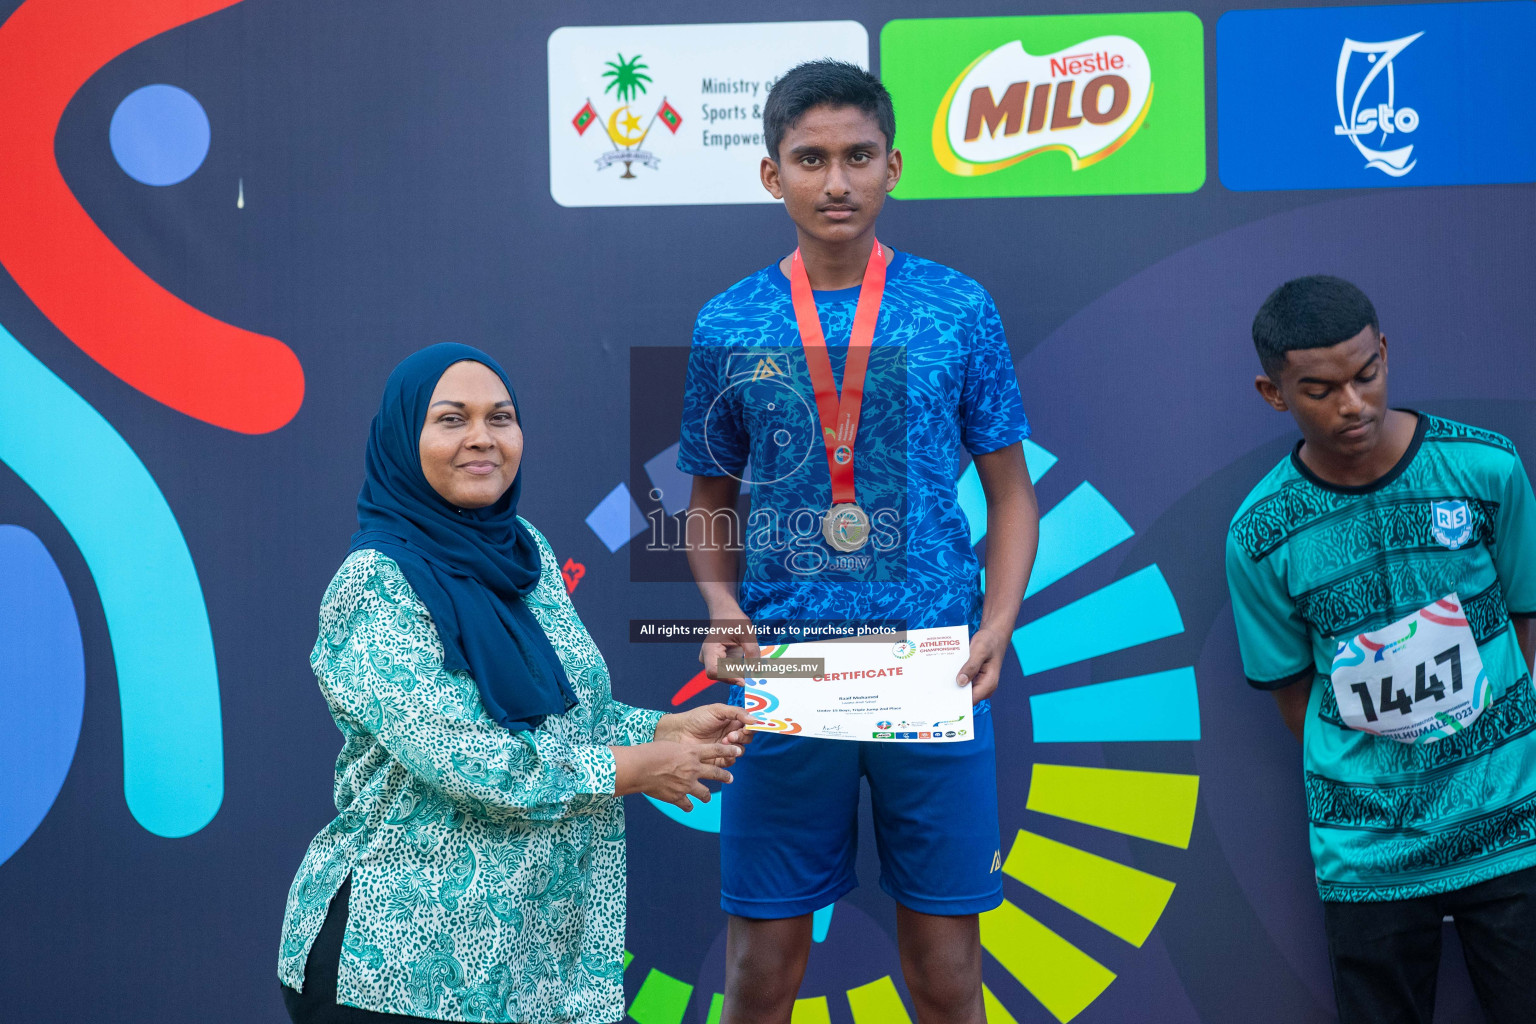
x=487 y=866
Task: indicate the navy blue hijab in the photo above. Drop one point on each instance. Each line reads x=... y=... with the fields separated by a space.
x=470 y=567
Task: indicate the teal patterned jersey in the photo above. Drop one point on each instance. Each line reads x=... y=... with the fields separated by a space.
x=487 y=866
x=1310 y=564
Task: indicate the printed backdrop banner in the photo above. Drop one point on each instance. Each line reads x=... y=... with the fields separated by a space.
x=222 y=222
x=684 y=102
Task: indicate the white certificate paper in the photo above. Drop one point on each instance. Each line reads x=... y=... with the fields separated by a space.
x=872 y=690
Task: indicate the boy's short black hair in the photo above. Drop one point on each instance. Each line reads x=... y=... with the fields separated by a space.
x=832 y=83
x=1309 y=312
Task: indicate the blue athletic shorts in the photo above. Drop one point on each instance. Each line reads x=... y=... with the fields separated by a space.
x=789 y=824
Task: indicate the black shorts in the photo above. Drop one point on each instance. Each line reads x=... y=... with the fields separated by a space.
x=1386 y=956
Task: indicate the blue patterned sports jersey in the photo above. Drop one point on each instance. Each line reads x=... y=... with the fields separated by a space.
x=940 y=376
x=1309 y=563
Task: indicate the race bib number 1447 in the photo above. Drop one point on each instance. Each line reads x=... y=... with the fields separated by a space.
x=1418 y=680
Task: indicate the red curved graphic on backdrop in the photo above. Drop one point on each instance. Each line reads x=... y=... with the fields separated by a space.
x=692 y=688
x=174 y=353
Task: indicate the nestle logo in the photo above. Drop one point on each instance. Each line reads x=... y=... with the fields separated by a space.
x=1072 y=64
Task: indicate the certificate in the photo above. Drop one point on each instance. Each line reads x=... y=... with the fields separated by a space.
x=898 y=691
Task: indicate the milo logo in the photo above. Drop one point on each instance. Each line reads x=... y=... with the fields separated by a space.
x=1049 y=105
x=1010 y=105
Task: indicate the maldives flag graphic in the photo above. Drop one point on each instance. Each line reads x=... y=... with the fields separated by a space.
x=585 y=116
x=670 y=117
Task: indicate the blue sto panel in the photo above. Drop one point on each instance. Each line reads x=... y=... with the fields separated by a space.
x=1375 y=97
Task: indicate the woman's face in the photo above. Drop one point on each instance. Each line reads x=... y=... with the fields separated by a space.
x=471 y=444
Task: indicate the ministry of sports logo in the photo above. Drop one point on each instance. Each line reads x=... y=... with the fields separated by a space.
x=628 y=82
x=1372 y=116
x=671 y=115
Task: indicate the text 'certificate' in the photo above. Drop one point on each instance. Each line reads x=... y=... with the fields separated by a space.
x=871 y=690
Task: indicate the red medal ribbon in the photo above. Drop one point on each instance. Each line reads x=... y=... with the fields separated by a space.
x=839 y=415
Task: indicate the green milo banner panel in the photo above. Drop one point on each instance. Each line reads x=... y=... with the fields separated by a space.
x=1067 y=105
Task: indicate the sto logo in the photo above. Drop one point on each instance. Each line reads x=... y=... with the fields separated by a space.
x=1383 y=116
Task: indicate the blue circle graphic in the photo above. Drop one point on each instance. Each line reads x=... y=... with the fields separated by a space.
x=159 y=135
x=42 y=685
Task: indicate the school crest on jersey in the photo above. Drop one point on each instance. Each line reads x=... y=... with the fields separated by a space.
x=1451 y=523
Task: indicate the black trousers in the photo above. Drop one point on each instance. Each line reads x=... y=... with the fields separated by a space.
x=1386 y=956
x=317 y=1003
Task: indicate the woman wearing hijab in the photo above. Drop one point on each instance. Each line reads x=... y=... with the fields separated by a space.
x=475 y=871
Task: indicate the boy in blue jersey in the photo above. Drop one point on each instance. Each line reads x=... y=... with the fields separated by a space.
x=1383 y=581
x=939 y=377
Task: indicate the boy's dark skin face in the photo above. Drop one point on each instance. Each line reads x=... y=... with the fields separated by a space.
x=834 y=170
x=1338 y=397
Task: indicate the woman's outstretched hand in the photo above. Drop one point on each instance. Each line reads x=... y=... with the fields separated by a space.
x=672 y=770
x=712 y=723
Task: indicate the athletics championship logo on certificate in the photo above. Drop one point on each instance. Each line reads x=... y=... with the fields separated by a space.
x=662 y=115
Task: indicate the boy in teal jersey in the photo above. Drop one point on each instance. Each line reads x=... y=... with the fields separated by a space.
x=1383 y=581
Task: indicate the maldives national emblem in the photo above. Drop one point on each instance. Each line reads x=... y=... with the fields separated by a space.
x=1452 y=523
x=628 y=81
